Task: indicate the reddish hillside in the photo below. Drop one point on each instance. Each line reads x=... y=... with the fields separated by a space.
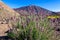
x=32 y=9
x=7 y=16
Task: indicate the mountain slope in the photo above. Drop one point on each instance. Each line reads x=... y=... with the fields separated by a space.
x=7 y=16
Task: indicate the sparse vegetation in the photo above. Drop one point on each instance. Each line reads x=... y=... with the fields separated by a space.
x=31 y=32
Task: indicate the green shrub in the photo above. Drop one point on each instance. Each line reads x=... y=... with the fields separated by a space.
x=31 y=32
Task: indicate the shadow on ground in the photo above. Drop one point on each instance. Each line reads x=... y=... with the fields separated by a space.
x=5 y=38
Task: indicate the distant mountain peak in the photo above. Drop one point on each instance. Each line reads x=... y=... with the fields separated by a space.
x=33 y=9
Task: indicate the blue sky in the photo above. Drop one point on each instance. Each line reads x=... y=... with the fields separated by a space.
x=53 y=5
